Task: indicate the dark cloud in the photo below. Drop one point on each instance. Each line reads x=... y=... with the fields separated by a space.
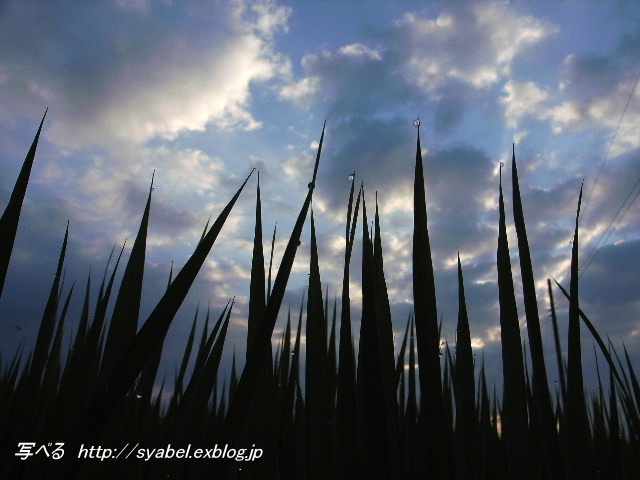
x=448 y=114
x=359 y=84
x=618 y=261
x=166 y=218
x=134 y=75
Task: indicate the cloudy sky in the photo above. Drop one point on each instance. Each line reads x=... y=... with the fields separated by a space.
x=203 y=91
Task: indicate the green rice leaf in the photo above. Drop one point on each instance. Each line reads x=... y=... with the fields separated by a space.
x=124 y=321
x=346 y=429
x=316 y=378
x=515 y=428
x=256 y=288
x=426 y=321
x=556 y=337
x=552 y=461
x=466 y=416
x=575 y=408
x=11 y=216
x=96 y=417
x=262 y=342
x=401 y=354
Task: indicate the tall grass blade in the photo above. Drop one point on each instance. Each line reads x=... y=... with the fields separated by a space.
x=515 y=428
x=596 y=337
x=575 y=409
x=95 y=419
x=412 y=444
x=256 y=288
x=45 y=333
x=552 y=461
x=288 y=433
x=82 y=368
x=634 y=380
x=11 y=216
x=614 y=461
x=332 y=366
x=201 y=385
x=466 y=448
x=262 y=342
x=346 y=432
x=426 y=321
x=124 y=321
x=179 y=383
x=316 y=375
x=401 y=355
x=273 y=243
x=556 y=337
x=83 y=324
x=370 y=396
x=385 y=346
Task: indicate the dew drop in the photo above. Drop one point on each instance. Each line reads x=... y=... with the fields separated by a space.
x=441 y=354
x=311 y=185
x=416 y=122
x=138 y=395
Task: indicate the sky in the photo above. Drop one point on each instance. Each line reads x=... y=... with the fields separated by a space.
x=201 y=92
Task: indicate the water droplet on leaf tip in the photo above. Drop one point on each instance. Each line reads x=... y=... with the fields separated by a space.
x=416 y=122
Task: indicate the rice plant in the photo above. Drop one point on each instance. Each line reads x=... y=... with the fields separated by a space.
x=359 y=414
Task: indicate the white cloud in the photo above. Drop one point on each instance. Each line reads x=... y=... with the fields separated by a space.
x=523 y=98
x=300 y=92
x=141 y=82
x=475 y=46
x=418 y=57
x=359 y=50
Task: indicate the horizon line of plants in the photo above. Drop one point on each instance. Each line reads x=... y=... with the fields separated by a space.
x=360 y=414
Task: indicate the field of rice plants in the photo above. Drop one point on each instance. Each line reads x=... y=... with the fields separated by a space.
x=413 y=409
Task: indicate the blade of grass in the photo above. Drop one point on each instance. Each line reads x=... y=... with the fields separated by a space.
x=273 y=242
x=556 y=337
x=262 y=342
x=45 y=332
x=370 y=396
x=385 y=346
x=575 y=409
x=466 y=416
x=401 y=353
x=515 y=428
x=316 y=380
x=552 y=461
x=124 y=320
x=426 y=321
x=256 y=288
x=346 y=432
x=96 y=417
x=11 y=216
